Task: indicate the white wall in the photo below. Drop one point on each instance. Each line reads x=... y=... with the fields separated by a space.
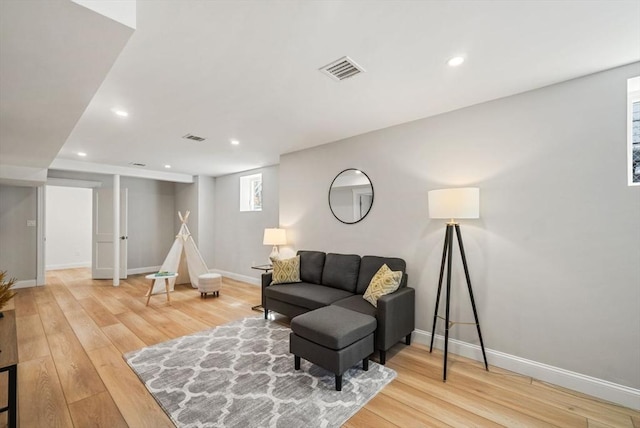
x=17 y=240
x=151 y=214
x=238 y=235
x=68 y=227
x=555 y=257
x=187 y=200
x=206 y=218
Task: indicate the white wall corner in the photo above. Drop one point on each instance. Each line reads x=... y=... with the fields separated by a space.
x=605 y=390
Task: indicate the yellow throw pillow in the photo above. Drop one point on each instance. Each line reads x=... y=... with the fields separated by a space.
x=384 y=282
x=287 y=270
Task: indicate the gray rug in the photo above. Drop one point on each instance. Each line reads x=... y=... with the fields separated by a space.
x=241 y=375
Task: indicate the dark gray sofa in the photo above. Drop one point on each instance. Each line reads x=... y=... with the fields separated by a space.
x=342 y=279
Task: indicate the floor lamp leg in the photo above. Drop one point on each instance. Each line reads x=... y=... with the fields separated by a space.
x=446 y=320
x=473 y=303
x=435 y=313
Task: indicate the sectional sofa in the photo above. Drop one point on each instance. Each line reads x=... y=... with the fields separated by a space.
x=341 y=280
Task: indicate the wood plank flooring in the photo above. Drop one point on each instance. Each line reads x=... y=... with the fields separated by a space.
x=73 y=331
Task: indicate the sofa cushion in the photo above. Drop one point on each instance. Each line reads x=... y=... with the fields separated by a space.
x=311 y=265
x=370 y=265
x=286 y=271
x=310 y=296
x=384 y=282
x=358 y=304
x=341 y=271
x=333 y=327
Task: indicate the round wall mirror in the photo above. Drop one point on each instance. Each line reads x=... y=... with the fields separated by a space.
x=351 y=196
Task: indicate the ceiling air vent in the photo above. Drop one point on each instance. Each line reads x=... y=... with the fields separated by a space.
x=193 y=137
x=342 y=69
x=137 y=164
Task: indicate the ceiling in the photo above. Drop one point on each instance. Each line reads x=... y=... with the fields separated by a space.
x=54 y=56
x=248 y=71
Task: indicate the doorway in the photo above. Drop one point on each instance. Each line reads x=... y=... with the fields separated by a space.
x=68 y=225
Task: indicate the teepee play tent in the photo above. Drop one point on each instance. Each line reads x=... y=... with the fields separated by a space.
x=183 y=258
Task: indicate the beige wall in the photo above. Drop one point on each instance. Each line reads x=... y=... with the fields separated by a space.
x=555 y=256
x=238 y=235
x=17 y=240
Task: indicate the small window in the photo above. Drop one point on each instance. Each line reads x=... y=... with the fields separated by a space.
x=251 y=192
x=633 y=130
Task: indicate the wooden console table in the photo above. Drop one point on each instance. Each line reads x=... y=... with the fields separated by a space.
x=9 y=363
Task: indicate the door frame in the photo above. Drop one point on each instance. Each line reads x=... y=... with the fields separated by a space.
x=113 y=238
x=41 y=219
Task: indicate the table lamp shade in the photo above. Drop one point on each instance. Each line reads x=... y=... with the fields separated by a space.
x=455 y=203
x=275 y=237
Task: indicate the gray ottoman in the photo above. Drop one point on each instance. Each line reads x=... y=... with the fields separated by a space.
x=333 y=338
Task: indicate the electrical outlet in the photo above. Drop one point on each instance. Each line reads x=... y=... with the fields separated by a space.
x=31 y=223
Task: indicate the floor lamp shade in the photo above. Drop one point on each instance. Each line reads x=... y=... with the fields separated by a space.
x=455 y=203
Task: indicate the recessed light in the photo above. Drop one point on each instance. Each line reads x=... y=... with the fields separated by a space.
x=455 y=61
x=120 y=112
x=167 y=166
x=82 y=154
x=235 y=142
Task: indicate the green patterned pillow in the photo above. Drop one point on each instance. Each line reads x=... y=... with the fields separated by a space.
x=287 y=270
x=384 y=282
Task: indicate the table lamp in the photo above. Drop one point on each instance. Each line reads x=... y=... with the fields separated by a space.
x=452 y=204
x=274 y=237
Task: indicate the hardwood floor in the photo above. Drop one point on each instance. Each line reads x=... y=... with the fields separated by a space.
x=73 y=331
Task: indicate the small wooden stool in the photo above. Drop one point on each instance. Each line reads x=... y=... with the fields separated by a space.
x=166 y=278
x=209 y=283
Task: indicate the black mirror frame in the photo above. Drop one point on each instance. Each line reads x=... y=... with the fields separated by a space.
x=372 y=196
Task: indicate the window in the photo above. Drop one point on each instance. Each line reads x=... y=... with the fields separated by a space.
x=251 y=192
x=633 y=130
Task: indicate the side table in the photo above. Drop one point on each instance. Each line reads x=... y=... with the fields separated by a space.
x=9 y=363
x=166 y=278
x=265 y=269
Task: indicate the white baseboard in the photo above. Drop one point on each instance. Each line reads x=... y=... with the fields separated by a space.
x=244 y=278
x=68 y=266
x=147 y=269
x=609 y=391
x=232 y=275
x=24 y=284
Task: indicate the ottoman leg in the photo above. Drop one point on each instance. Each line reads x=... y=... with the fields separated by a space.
x=365 y=364
x=296 y=362
x=383 y=357
x=266 y=313
x=338 y=382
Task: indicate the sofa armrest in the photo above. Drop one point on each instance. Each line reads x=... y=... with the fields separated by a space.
x=266 y=281
x=396 y=316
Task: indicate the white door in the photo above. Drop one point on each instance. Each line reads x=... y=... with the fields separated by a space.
x=102 y=254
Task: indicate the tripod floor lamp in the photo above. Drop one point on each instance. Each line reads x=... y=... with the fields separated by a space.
x=454 y=204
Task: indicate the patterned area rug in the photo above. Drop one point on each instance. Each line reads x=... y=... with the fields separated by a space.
x=241 y=375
